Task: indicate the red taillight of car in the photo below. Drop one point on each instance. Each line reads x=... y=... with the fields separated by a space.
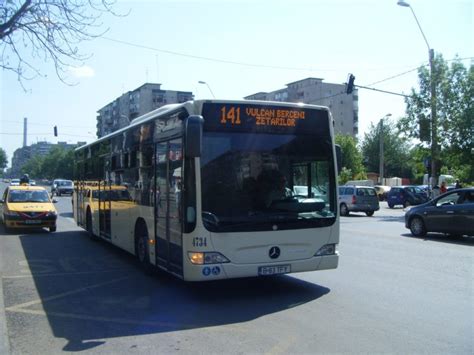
x=353 y=200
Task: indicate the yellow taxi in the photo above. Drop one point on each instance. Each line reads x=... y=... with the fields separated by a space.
x=27 y=206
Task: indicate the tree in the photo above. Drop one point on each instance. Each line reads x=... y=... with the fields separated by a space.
x=396 y=150
x=352 y=166
x=33 y=167
x=3 y=159
x=49 y=30
x=57 y=164
x=455 y=113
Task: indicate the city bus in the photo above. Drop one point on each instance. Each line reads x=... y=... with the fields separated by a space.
x=190 y=188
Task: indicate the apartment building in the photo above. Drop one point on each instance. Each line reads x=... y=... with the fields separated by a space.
x=344 y=107
x=148 y=97
x=23 y=154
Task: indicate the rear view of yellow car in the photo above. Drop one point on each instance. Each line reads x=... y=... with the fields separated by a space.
x=27 y=206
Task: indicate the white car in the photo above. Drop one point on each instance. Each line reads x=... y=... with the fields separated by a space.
x=15 y=182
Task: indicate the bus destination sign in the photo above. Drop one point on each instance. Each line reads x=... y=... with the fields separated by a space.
x=264 y=119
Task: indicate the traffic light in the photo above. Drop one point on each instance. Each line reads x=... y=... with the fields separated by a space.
x=55 y=131
x=350 y=84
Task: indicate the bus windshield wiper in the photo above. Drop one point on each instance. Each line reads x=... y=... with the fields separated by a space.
x=211 y=218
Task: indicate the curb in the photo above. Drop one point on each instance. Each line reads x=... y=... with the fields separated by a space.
x=4 y=343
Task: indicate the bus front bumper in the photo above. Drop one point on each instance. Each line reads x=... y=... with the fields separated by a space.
x=230 y=270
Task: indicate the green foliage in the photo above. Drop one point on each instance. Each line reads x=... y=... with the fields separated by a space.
x=352 y=165
x=396 y=151
x=455 y=114
x=57 y=164
x=417 y=156
x=3 y=159
x=345 y=176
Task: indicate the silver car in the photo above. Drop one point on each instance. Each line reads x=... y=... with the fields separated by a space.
x=354 y=198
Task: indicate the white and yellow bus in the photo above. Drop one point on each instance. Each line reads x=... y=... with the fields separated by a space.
x=214 y=189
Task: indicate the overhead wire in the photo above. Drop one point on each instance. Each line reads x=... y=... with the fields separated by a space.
x=225 y=61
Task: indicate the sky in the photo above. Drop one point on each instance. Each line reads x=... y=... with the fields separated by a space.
x=238 y=47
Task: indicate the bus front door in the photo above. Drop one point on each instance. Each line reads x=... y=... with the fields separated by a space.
x=104 y=210
x=168 y=211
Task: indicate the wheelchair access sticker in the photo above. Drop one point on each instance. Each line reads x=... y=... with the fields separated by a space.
x=215 y=270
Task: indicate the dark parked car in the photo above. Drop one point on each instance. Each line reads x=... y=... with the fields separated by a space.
x=450 y=213
x=406 y=196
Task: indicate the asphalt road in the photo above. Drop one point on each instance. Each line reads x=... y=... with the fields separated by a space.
x=392 y=293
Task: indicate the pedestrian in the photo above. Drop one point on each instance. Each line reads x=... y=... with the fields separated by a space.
x=458 y=185
x=435 y=191
x=25 y=180
x=443 y=188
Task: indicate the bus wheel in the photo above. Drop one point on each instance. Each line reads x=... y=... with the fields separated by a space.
x=89 y=225
x=141 y=249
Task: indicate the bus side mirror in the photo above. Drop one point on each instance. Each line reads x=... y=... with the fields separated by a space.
x=338 y=158
x=193 y=136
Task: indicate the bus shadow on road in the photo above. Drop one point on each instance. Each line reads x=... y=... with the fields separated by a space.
x=443 y=238
x=90 y=291
x=379 y=218
x=399 y=219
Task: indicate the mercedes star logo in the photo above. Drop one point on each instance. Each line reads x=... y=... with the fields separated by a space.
x=274 y=252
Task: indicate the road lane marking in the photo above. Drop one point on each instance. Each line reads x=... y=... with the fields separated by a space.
x=62 y=295
x=178 y=325
x=23 y=308
x=61 y=274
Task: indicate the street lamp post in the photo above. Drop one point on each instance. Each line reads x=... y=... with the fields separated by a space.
x=204 y=83
x=381 y=161
x=434 y=120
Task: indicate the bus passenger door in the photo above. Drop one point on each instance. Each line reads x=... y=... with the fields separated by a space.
x=104 y=210
x=79 y=205
x=168 y=211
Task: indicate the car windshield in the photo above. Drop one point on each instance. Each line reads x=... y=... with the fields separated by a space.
x=250 y=183
x=19 y=196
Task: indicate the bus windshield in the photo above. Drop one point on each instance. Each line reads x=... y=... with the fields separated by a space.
x=266 y=181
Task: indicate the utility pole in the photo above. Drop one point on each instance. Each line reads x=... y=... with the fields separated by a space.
x=434 y=124
x=381 y=152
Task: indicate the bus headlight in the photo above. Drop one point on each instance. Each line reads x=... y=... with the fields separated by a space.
x=200 y=258
x=328 y=249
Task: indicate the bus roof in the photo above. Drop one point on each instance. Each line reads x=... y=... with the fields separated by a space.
x=194 y=107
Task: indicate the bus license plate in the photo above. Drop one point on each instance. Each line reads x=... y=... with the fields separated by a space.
x=274 y=270
x=32 y=221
